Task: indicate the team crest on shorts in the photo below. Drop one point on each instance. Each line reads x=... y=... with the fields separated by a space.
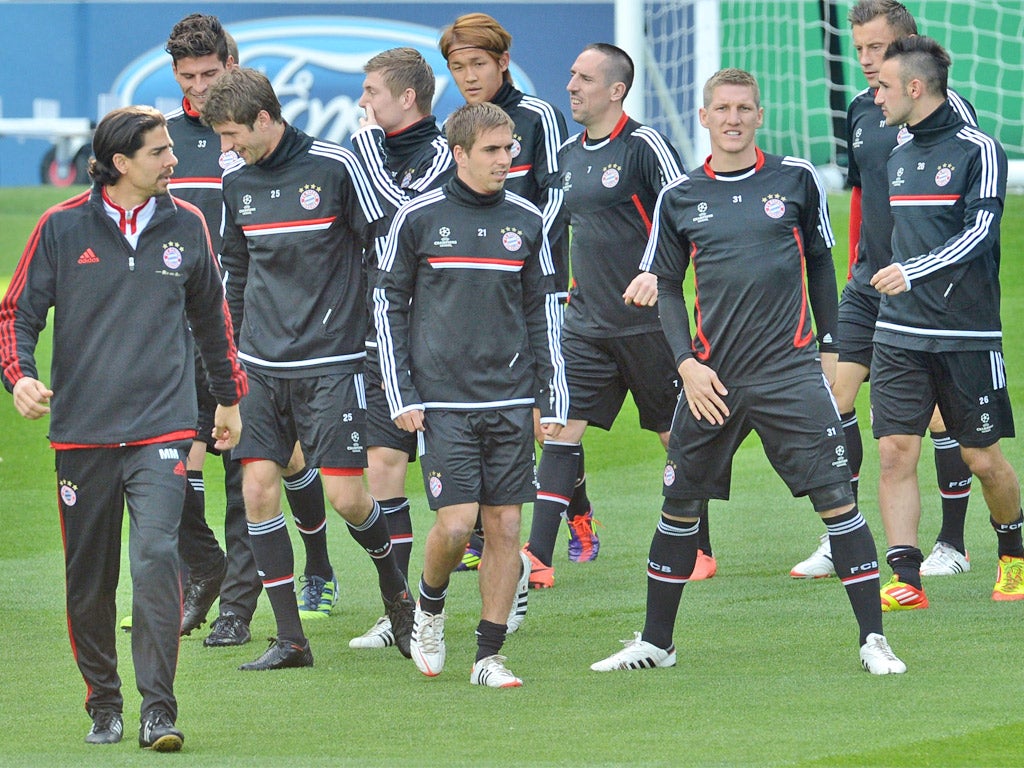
x=669 y=476
x=68 y=493
x=774 y=206
x=610 y=175
x=172 y=255
x=512 y=239
x=309 y=196
x=434 y=483
x=944 y=174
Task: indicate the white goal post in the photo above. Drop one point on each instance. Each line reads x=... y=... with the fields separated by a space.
x=801 y=53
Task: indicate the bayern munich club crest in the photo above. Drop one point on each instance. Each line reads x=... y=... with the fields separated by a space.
x=172 y=256
x=309 y=198
x=512 y=241
x=435 y=486
x=68 y=495
x=669 y=476
x=610 y=177
x=227 y=158
x=943 y=176
x=774 y=207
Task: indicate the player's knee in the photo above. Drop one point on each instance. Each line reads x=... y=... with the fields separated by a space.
x=831 y=497
x=987 y=464
x=898 y=454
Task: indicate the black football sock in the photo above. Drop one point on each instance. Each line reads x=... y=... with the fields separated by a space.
x=954 y=480
x=556 y=475
x=704 y=537
x=1009 y=536
x=373 y=536
x=305 y=492
x=670 y=562
x=397 y=513
x=476 y=541
x=274 y=557
x=579 y=504
x=432 y=598
x=856 y=562
x=854 y=448
x=198 y=548
x=489 y=638
x=905 y=563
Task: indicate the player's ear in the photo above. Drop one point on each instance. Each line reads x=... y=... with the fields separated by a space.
x=120 y=162
x=702 y=113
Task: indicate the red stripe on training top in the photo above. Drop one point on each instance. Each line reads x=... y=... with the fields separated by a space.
x=474 y=260
x=809 y=336
x=170 y=437
x=9 y=303
x=279 y=224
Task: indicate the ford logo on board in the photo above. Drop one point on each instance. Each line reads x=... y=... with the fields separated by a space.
x=315 y=64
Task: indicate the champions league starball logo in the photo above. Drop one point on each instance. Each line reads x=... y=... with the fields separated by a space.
x=315 y=64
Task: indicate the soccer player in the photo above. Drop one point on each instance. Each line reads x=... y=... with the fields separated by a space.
x=201 y=50
x=471 y=250
x=938 y=338
x=122 y=264
x=610 y=176
x=753 y=227
x=875 y=24
x=404 y=155
x=478 y=51
x=299 y=213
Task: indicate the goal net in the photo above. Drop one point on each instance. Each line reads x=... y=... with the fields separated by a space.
x=803 y=57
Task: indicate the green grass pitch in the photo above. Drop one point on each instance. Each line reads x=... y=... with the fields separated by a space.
x=768 y=673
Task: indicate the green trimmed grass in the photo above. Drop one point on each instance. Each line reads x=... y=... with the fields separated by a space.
x=768 y=673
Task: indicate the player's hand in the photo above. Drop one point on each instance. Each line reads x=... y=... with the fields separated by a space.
x=551 y=429
x=704 y=391
x=32 y=398
x=227 y=427
x=889 y=280
x=642 y=291
x=829 y=365
x=369 y=118
x=411 y=421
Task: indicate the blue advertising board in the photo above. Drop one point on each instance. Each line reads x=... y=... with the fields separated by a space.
x=85 y=57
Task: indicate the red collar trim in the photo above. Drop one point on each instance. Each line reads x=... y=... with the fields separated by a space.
x=758 y=163
x=400 y=131
x=128 y=219
x=616 y=130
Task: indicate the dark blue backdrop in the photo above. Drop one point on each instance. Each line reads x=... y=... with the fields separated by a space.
x=73 y=52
